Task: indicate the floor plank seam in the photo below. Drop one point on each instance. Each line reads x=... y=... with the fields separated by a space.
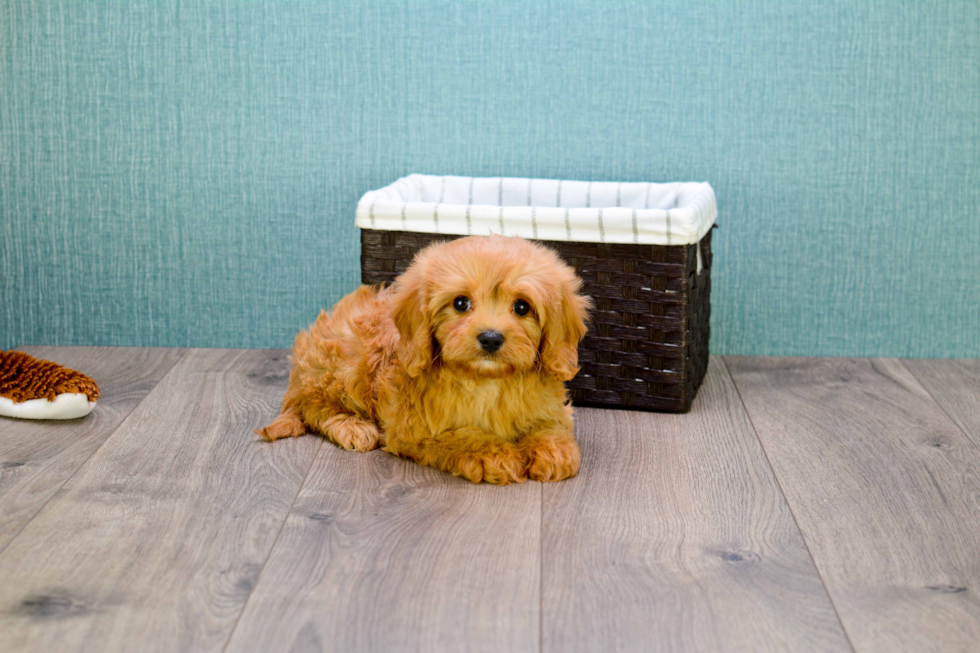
x=779 y=486
x=952 y=419
x=90 y=456
x=265 y=563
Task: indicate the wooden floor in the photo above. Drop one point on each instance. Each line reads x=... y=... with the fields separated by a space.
x=803 y=504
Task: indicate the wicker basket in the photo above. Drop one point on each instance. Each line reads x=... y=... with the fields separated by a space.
x=647 y=345
x=642 y=249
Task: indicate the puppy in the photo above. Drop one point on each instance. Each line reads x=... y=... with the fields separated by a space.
x=459 y=365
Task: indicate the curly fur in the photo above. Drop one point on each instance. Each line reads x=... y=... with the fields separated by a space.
x=400 y=368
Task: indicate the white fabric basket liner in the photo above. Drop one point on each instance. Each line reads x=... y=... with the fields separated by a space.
x=678 y=213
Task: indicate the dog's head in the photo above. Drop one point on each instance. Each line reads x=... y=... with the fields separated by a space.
x=490 y=306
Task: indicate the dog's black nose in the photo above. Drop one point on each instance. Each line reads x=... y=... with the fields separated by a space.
x=491 y=341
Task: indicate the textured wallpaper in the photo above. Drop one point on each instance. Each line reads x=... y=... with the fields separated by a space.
x=186 y=173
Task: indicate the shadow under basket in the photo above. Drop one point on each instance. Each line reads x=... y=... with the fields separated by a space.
x=647 y=344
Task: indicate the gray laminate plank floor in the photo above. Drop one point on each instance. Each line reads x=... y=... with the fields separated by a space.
x=37 y=457
x=803 y=504
x=885 y=489
x=674 y=532
x=155 y=543
x=382 y=554
x=955 y=385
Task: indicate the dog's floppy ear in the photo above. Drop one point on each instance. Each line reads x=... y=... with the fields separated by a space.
x=564 y=328
x=410 y=314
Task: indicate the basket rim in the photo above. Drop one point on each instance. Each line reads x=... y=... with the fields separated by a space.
x=400 y=207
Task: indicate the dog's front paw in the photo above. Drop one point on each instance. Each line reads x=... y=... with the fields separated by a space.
x=500 y=464
x=352 y=433
x=552 y=458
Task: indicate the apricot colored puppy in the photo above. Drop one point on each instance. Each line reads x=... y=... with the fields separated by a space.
x=459 y=365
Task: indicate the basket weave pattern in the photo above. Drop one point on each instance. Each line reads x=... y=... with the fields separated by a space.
x=647 y=345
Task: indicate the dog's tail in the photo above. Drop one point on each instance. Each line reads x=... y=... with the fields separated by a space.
x=286 y=425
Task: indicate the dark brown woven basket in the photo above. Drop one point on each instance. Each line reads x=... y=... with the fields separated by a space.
x=647 y=345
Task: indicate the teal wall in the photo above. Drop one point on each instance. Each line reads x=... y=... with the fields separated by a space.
x=185 y=173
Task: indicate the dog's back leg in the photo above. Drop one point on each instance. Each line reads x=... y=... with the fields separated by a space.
x=286 y=425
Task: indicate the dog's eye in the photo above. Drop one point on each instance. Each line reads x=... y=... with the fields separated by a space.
x=461 y=304
x=521 y=307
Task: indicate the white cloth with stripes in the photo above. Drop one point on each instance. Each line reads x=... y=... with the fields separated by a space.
x=678 y=213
